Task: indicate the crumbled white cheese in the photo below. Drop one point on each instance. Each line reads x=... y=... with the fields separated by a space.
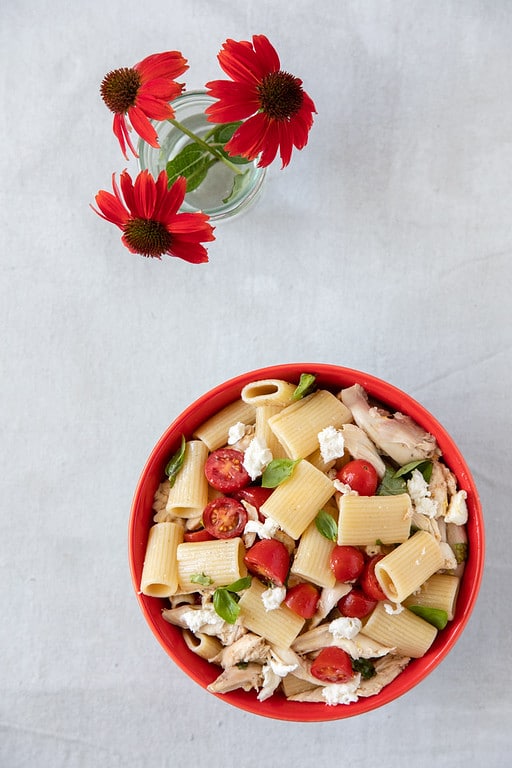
x=341 y=693
x=281 y=669
x=264 y=530
x=273 y=597
x=332 y=444
x=393 y=611
x=345 y=628
x=256 y=457
x=420 y=494
x=344 y=488
x=457 y=511
x=203 y=619
x=373 y=549
x=236 y=432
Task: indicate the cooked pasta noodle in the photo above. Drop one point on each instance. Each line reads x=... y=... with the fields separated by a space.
x=160 y=573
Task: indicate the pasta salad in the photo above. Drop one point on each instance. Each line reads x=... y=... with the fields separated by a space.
x=309 y=543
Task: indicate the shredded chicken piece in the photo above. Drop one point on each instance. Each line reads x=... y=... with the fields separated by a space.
x=160 y=498
x=359 y=647
x=328 y=599
x=235 y=677
x=248 y=647
x=438 y=486
x=386 y=670
x=425 y=523
x=359 y=445
x=396 y=434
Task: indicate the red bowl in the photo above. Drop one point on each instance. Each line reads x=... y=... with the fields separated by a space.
x=332 y=377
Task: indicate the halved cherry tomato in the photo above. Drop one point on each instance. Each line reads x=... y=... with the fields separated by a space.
x=368 y=580
x=332 y=665
x=303 y=599
x=225 y=518
x=225 y=471
x=269 y=559
x=201 y=535
x=346 y=562
x=255 y=495
x=356 y=605
x=361 y=476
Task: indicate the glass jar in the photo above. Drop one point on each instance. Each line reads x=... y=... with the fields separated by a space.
x=214 y=195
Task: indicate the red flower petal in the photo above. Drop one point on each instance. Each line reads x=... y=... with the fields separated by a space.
x=155 y=109
x=143 y=127
x=170 y=65
x=111 y=208
x=120 y=129
x=194 y=253
x=144 y=192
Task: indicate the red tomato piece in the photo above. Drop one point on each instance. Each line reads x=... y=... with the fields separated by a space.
x=270 y=560
x=332 y=665
x=201 y=535
x=225 y=518
x=361 y=476
x=346 y=562
x=303 y=599
x=225 y=471
x=254 y=495
x=356 y=605
x=368 y=580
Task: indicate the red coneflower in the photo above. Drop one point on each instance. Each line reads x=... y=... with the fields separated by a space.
x=149 y=218
x=280 y=112
x=142 y=93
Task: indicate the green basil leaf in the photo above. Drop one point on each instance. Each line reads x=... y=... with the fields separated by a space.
x=305 y=386
x=460 y=550
x=226 y=605
x=391 y=485
x=201 y=578
x=326 y=525
x=176 y=462
x=193 y=163
x=435 y=616
x=423 y=465
x=240 y=584
x=365 y=667
x=223 y=132
x=277 y=471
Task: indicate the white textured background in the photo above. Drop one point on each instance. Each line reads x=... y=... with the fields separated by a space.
x=386 y=246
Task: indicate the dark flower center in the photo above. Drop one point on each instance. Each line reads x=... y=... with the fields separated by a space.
x=119 y=89
x=281 y=95
x=147 y=237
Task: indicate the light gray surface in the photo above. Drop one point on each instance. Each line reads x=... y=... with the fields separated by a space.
x=385 y=246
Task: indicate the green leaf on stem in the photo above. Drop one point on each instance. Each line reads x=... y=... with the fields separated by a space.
x=391 y=485
x=226 y=605
x=193 y=163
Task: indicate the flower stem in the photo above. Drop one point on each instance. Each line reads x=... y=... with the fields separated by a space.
x=218 y=155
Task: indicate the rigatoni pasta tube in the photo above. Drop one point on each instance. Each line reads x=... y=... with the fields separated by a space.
x=214 y=432
x=439 y=591
x=295 y=502
x=297 y=426
x=220 y=561
x=410 y=635
x=408 y=566
x=159 y=572
x=311 y=559
x=280 y=626
x=263 y=431
x=203 y=645
x=364 y=520
x=189 y=494
x=268 y=392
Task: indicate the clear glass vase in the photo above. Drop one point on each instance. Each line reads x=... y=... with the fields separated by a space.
x=214 y=195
